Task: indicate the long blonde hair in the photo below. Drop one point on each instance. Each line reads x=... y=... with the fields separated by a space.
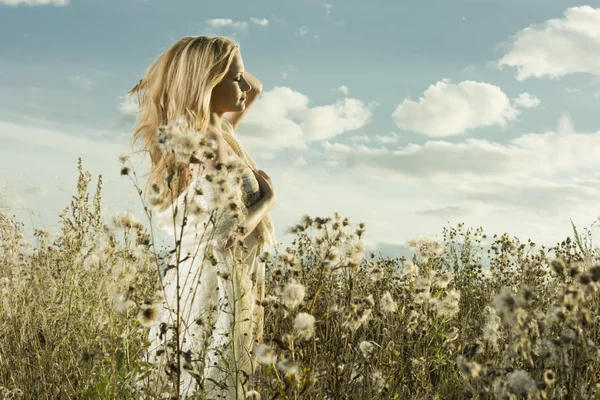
x=178 y=85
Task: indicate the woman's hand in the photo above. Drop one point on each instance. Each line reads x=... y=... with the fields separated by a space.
x=265 y=184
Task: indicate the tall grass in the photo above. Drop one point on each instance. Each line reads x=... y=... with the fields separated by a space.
x=75 y=309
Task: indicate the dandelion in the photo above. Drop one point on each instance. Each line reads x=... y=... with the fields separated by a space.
x=426 y=248
x=124 y=220
x=409 y=269
x=265 y=355
x=293 y=295
x=491 y=332
x=148 y=315
x=123 y=303
x=376 y=274
x=520 y=383
x=366 y=348
x=506 y=305
x=304 y=325
x=448 y=306
x=378 y=381
x=387 y=303
x=443 y=280
x=289 y=366
x=422 y=290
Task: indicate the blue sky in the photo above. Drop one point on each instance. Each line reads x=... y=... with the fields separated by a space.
x=409 y=116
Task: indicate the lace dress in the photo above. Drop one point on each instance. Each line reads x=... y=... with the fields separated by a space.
x=215 y=348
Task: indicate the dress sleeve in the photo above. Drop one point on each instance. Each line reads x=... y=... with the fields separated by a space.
x=214 y=209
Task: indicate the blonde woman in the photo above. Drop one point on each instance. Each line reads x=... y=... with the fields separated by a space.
x=200 y=83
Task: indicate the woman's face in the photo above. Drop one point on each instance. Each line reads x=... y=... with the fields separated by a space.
x=229 y=94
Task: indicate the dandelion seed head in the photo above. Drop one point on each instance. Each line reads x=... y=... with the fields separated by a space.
x=304 y=325
x=265 y=355
x=289 y=366
x=520 y=383
x=387 y=303
x=366 y=348
x=148 y=315
x=293 y=295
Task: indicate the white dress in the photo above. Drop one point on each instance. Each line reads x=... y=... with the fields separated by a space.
x=206 y=307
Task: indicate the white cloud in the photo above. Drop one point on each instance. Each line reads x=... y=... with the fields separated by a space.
x=129 y=105
x=448 y=109
x=343 y=89
x=533 y=155
x=537 y=175
x=303 y=30
x=572 y=90
x=227 y=23
x=328 y=8
x=80 y=82
x=299 y=162
x=260 y=21
x=35 y=2
x=527 y=100
x=387 y=139
x=281 y=118
x=558 y=46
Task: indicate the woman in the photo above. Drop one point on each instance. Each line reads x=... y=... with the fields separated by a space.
x=200 y=82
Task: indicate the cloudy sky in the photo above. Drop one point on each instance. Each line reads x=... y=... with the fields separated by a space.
x=408 y=116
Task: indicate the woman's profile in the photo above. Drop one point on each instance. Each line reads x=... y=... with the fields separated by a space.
x=215 y=204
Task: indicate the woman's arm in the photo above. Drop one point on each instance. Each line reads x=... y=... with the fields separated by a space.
x=255 y=214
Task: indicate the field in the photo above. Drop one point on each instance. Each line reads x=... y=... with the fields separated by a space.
x=339 y=324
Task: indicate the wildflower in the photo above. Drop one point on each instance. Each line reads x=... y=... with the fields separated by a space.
x=409 y=269
x=148 y=315
x=253 y=395
x=355 y=376
x=426 y=248
x=293 y=295
x=265 y=355
x=520 y=383
x=378 y=381
x=387 y=303
x=422 y=290
x=366 y=348
x=304 y=325
x=448 y=306
x=289 y=366
x=444 y=280
x=123 y=303
x=124 y=220
x=559 y=266
x=355 y=318
x=506 y=305
x=469 y=368
x=491 y=333
x=376 y=273
x=549 y=377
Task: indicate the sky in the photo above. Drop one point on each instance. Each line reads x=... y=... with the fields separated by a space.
x=408 y=116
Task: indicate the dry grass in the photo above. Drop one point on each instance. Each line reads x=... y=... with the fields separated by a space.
x=75 y=310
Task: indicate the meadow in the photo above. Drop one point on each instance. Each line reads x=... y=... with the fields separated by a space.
x=75 y=309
